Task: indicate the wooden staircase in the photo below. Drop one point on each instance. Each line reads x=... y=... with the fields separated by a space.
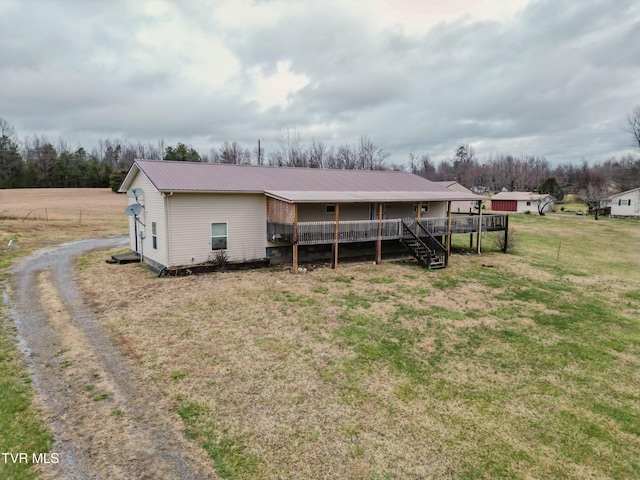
x=426 y=249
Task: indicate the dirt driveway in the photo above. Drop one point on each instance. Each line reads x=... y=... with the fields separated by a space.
x=107 y=418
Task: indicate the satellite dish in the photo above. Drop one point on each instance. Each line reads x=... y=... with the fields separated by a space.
x=134 y=193
x=133 y=210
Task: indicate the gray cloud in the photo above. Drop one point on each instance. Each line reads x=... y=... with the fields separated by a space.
x=556 y=80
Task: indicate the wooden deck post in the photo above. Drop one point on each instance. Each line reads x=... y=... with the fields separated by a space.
x=506 y=233
x=295 y=238
x=479 y=242
x=419 y=210
x=336 y=236
x=449 y=227
x=471 y=233
x=379 y=240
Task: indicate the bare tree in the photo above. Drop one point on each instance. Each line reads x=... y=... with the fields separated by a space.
x=596 y=196
x=633 y=125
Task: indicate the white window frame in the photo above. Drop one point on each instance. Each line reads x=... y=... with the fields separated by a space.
x=226 y=236
x=330 y=208
x=154 y=236
x=424 y=208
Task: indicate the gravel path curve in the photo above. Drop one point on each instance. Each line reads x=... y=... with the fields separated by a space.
x=107 y=419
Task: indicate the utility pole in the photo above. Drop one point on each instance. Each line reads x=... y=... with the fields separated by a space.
x=259 y=160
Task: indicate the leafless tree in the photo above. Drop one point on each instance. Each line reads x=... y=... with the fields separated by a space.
x=596 y=196
x=633 y=125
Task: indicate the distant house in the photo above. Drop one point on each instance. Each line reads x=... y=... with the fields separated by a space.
x=460 y=206
x=626 y=204
x=184 y=214
x=521 y=202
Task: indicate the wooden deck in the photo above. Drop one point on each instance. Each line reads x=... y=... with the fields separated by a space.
x=315 y=233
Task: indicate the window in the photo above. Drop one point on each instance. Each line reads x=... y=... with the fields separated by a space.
x=528 y=204
x=423 y=209
x=154 y=236
x=624 y=202
x=218 y=236
x=330 y=208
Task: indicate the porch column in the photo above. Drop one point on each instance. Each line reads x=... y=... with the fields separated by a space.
x=295 y=238
x=419 y=210
x=449 y=227
x=379 y=240
x=336 y=236
x=479 y=242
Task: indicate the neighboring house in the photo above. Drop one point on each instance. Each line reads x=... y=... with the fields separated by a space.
x=195 y=213
x=626 y=204
x=459 y=206
x=521 y=202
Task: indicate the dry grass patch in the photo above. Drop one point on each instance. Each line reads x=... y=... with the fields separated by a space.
x=391 y=371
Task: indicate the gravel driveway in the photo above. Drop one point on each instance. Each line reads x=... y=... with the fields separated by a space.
x=108 y=419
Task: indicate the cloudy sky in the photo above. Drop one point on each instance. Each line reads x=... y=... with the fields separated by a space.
x=555 y=78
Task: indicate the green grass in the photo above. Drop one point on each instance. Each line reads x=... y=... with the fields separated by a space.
x=575 y=339
x=230 y=455
x=21 y=429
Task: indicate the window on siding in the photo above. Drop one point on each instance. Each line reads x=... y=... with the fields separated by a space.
x=330 y=208
x=423 y=209
x=528 y=204
x=154 y=236
x=218 y=236
x=624 y=202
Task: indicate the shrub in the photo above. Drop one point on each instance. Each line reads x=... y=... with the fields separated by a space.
x=512 y=240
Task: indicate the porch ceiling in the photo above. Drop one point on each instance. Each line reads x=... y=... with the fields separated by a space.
x=298 y=196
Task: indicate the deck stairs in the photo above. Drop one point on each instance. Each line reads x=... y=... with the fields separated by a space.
x=426 y=249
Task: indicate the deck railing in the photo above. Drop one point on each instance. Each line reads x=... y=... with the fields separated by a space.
x=313 y=233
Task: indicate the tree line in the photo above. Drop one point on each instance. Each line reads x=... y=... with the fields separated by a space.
x=36 y=162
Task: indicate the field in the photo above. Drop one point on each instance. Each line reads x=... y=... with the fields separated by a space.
x=524 y=365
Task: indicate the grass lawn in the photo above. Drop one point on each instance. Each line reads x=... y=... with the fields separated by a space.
x=523 y=365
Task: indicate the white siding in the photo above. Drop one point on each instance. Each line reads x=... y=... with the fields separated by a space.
x=193 y=214
x=631 y=210
x=316 y=212
x=436 y=209
x=153 y=212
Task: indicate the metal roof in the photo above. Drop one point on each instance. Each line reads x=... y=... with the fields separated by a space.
x=304 y=185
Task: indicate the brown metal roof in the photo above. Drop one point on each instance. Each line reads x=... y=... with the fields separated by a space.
x=292 y=184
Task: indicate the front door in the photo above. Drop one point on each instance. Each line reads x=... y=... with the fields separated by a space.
x=373 y=211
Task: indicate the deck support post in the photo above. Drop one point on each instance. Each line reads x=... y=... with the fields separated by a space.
x=449 y=203
x=419 y=210
x=506 y=234
x=479 y=242
x=379 y=240
x=471 y=233
x=295 y=238
x=336 y=237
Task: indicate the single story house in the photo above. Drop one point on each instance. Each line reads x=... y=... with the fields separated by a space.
x=185 y=214
x=460 y=206
x=626 y=204
x=521 y=202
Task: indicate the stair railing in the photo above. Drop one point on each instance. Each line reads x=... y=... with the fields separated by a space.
x=408 y=232
x=433 y=243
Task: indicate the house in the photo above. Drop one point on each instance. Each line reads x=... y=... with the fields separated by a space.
x=521 y=202
x=626 y=204
x=460 y=206
x=185 y=214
